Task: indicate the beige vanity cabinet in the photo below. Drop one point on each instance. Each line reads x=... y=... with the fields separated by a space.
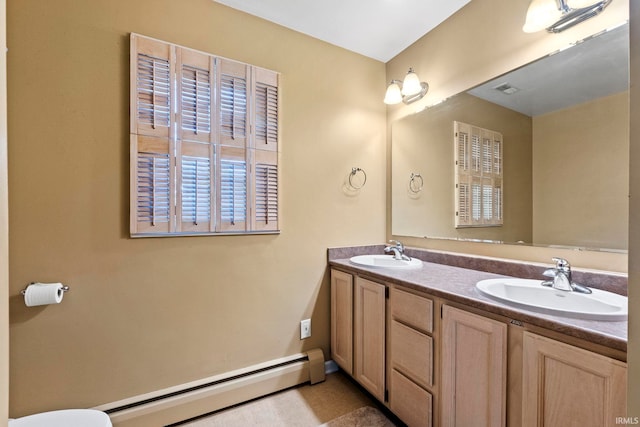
x=358 y=329
x=564 y=385
x=437 y=363
x=411 y=357
x=474 y=370
x=369 y=336
x=342 y=320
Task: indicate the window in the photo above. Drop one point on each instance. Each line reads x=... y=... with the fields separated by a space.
x=478 y=166
x=204 y=143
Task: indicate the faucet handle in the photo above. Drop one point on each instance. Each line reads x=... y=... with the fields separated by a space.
x=397 y=244
x=561 y=264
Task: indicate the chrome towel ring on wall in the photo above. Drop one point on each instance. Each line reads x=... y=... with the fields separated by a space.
x=416 y=182
x=353 y=177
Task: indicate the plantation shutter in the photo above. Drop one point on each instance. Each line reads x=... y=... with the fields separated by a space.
x=478 y=191
x=232 y=190
x=265 y=215
x=265 y=191
x=152 y=171
x=498 y=195
x=152 y=70
x=266 y=110
x=233 y=86
x=203 y=144
x=196 y=200
x=463 y=187
x=195 y=83
x=195 y=165
x=152 y=178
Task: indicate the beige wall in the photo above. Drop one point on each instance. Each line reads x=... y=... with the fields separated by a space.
x=581 y=174
x=146 y=314
x=424 y=143
x=4 y=226
x=633 y=349
x=481 y=41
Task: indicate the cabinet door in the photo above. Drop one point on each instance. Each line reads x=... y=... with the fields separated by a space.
x=474 y=370
x=369 y=336
x=568 y=386
x=342 y=320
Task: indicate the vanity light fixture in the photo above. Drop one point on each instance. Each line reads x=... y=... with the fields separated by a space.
x=558 y=15
x=408 y=91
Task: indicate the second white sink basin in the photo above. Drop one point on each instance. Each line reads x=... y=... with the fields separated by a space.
x=385 y=261
x=530 y=294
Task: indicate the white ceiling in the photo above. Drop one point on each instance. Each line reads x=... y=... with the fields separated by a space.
x=379 y=29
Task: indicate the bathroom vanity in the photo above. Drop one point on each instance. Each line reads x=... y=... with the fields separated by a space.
x=437 y=352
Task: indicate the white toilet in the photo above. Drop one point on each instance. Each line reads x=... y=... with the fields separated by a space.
x=64 y=418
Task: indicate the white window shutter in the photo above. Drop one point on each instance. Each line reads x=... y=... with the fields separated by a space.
x=195 y=191
x=152 y=188
x=265 y=191
x=232 y=104
x=266 y=110
x=462 y=158
x=232 y=190
x=479 y=195
x=204 y=143
x=152 y=87
x=195 y=81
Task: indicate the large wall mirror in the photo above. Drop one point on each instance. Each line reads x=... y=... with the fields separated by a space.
x=565 y=126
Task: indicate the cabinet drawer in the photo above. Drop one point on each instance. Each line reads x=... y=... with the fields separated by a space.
x=412 y=309
x=412 y=353
x=410 y=402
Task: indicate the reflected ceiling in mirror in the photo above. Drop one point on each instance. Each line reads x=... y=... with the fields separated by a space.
x=565 y=124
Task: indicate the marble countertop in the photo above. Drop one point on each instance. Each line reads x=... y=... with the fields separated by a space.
x=457 y=284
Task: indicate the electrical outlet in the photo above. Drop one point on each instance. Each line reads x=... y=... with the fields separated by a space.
x=305 y=329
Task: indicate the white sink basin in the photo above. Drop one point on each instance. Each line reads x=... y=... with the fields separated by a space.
x=385 y=261
x=530 y=294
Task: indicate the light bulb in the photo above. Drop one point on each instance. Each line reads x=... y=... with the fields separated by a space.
x=411 y=84
x=393 y=95
x=540 y=15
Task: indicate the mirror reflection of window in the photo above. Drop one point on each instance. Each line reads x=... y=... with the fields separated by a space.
x=566 y=165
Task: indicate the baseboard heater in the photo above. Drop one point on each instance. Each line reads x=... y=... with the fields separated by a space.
x=186 y=401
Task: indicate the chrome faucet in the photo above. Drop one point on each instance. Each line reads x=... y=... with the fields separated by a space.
x=398 y=250
x=562 y=279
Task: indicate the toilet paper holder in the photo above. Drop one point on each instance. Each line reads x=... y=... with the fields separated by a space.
x=24 y=291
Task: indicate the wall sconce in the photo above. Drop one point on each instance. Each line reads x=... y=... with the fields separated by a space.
x=412 y=89
x=558 y=15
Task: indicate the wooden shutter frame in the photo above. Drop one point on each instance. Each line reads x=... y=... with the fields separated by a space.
x=145 y=138
x=226 y=69
x=145 y=144
x=162 y=51
x=481 y=171
x=270 y=80
x=226 y=153
x=212 y=147
x=200 y=61
x=201 y=151
x=264 y=159
x=265 y=153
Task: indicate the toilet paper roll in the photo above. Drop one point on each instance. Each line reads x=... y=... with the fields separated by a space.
x=43 y=294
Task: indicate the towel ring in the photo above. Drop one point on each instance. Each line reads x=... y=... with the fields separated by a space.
x=353 y=173
x=416 y=182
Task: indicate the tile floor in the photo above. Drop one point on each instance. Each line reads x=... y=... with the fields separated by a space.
x=303 y=406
